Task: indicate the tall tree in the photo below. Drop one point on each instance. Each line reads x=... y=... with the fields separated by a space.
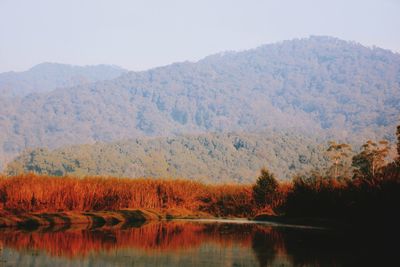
x=339 y=155
x=398 y=144
x=371 y=159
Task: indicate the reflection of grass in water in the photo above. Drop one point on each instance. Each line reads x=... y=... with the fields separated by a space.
x=172 y=242
x=154 y=236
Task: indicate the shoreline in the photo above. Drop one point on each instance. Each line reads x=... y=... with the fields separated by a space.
x=94 y=219
x=34 y=220
x=314 y=222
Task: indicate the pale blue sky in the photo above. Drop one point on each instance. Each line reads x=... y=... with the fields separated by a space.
x=138 y=35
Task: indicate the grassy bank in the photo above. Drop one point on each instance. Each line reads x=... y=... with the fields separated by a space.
x=43 y=200
x=308 y=200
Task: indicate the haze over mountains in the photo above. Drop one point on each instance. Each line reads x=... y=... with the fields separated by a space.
x=320 y=86
x=46 y=77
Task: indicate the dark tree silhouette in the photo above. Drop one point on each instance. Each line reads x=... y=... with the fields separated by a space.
x=265 y=189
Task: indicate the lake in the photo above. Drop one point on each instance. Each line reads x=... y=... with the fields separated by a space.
x=190 y=243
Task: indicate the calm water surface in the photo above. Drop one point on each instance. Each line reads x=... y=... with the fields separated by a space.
x=191 y=243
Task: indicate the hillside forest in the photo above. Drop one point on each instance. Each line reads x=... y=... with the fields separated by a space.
x=343 y=192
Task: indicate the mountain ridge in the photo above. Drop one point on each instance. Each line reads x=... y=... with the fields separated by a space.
x=48 y=76
x=327 y=86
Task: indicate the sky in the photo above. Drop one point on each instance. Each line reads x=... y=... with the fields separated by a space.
x=138 y=35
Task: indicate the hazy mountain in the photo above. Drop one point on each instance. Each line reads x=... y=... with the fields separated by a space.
x=209 y=157
x=314 y=85
x=46 y=77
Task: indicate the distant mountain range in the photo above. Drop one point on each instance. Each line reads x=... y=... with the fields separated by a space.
x=46 y=77
x=319 y=85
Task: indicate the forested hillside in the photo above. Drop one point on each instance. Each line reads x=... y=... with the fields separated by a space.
x=211 y=158
x=318 y=85
x=46 y=77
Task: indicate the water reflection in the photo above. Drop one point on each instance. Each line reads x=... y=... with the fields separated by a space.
x=182 y=243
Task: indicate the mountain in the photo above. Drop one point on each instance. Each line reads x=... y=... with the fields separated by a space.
x=46 y=77
x=209 y=157
x=317 y=85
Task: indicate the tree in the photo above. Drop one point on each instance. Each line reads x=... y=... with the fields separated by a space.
x=265 y=189
x=371 y=159
x=339 y=154
x=398 y=144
